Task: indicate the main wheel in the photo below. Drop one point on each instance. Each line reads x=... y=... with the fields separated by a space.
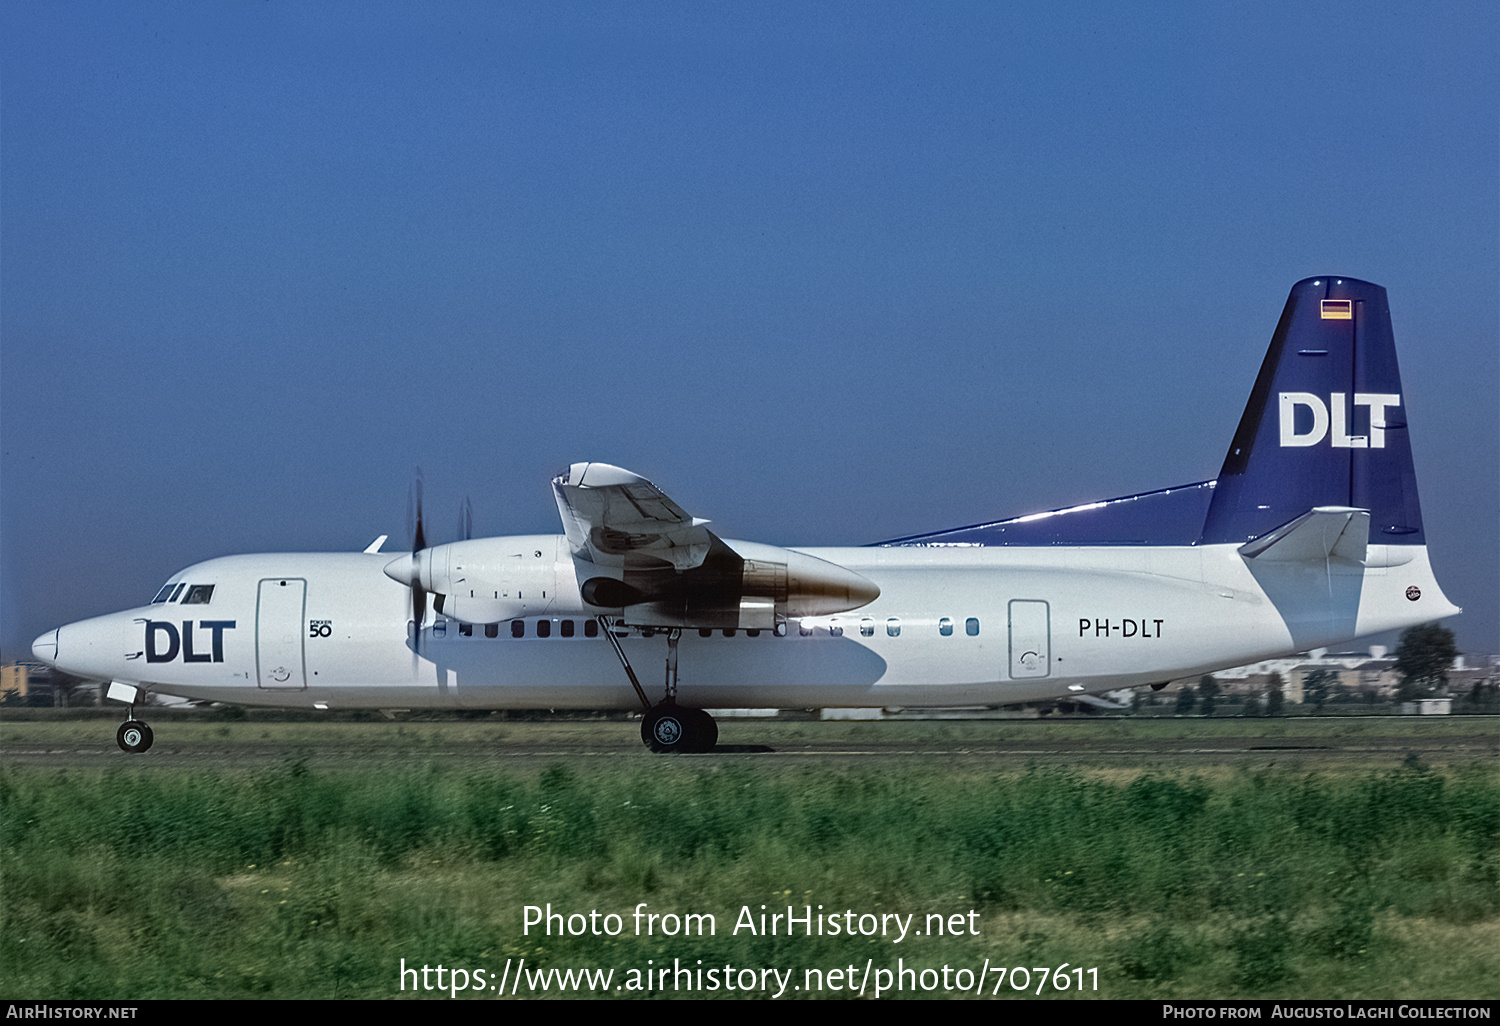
x=668 y=729
x=134 y=736
x=705 y=728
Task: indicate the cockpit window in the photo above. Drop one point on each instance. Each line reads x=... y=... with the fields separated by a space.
x=168 y=593
x=198 y=595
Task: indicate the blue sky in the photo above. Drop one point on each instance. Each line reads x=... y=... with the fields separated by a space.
x=826 y=273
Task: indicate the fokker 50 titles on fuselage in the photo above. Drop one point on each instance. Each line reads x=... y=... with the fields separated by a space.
x=1311 y=535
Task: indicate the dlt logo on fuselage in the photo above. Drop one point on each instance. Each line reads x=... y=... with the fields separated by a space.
x=1335 y=415
x=166 y=632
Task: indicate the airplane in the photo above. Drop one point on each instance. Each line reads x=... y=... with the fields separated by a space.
x=1311 y=535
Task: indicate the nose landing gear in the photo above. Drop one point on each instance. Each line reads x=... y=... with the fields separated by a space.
x=134 y=736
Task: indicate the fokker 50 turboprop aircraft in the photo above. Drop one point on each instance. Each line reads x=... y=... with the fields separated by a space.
x=1311 y=535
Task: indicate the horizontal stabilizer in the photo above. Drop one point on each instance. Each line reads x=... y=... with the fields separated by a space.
x=1314 y=537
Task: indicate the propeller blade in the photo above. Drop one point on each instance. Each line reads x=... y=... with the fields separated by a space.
x=418 y=543
x=466 y=520
x=414 y=515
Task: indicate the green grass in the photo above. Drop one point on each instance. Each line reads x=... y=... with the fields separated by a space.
x=306 y=882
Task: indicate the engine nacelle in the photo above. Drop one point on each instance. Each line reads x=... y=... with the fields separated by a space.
x=487 y=580
x=739 y=585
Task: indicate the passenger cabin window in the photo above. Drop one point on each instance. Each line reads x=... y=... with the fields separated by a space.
x=198 y=595
x=945 y=626
x=567 y=628
x=492 y=630
x=518 y=628
x=971 y=626
x=591 y=628
x=466 y=629
x=867 y=628
x=834 y=630
x=544 y=628
x=893 y=627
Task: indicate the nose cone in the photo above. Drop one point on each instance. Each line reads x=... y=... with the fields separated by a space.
x=44 y=648
x=402 y=570
x=424 y=568
x=97 y=649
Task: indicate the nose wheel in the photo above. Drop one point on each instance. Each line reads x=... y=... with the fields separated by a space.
x=134 y=736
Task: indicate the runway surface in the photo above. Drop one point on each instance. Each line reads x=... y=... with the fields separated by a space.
x=1009 y=743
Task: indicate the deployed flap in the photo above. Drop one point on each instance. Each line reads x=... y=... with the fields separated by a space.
x=615 y=518
x=1315 y=536
x=636 y=552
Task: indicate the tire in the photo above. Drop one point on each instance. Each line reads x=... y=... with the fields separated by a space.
x=134 y=736
x=705 y=728
x=668 y=730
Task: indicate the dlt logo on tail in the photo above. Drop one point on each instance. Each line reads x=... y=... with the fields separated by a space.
x=1335 y=415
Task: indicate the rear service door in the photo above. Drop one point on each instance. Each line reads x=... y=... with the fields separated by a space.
x=1030 y=639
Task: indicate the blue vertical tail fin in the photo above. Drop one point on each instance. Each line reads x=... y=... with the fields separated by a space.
x=1325 y=425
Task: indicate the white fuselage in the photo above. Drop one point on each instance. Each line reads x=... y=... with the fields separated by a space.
x=951 y=626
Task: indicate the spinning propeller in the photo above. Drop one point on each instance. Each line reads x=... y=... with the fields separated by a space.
x=407 y=569
x=418 y=543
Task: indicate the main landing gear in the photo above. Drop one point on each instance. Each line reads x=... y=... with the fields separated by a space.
x=668 y=728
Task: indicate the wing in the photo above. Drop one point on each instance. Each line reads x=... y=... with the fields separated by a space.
x=614 y=518
x=637 y=551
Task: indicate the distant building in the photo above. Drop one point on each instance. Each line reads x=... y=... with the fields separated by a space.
x=1427 y=707
x=1370 y=674
x=30 y=683
x=1356 y=672
x=15 y=682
